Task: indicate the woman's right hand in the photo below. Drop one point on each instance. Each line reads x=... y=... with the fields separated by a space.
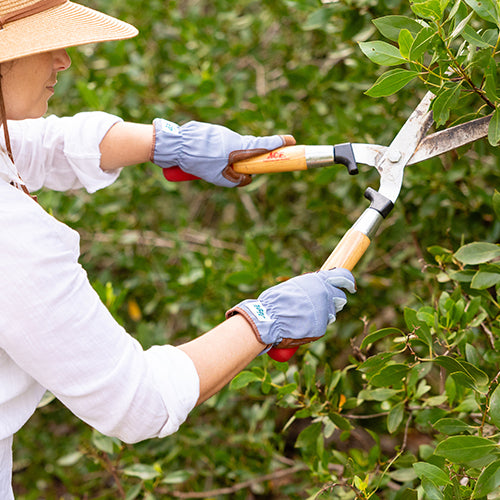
x=208 y=151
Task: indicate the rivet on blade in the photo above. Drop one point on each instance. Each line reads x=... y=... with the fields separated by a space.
x=394 y=156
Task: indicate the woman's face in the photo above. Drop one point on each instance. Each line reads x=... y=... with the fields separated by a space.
x=28 y=83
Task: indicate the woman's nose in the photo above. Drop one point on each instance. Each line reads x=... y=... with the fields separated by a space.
x=61 y=60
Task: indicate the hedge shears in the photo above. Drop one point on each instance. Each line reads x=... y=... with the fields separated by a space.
x=411 y=145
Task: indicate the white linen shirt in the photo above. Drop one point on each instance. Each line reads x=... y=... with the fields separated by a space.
x=55 y=333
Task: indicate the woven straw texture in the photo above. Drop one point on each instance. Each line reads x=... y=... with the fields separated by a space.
x=58 y=27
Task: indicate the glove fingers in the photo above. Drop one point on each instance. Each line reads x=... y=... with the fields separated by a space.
x=342 y=278
x=268 y=143
x=254 y=147
x=235 y=177
x=339 y=303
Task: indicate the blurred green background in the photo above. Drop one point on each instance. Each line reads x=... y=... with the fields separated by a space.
x=170 y=259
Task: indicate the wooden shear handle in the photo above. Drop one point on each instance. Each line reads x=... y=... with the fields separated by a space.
x=284 y=159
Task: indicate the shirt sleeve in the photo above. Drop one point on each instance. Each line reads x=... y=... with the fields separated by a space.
x=62 y=153
x=54 y=326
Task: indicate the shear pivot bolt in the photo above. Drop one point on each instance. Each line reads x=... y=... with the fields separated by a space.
x=394 y=156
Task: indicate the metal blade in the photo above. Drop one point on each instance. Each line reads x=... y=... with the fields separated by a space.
x=451 y=138
x=367 y=154
x=391 y=165
x=432 y=145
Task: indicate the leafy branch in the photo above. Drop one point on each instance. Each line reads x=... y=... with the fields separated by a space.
x=451 y=55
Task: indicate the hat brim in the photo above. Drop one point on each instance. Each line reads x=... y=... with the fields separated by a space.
x=67 y=25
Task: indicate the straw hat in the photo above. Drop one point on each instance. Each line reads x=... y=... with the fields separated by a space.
x=33 y=26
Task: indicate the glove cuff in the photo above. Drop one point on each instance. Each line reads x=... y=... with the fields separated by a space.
x=259 y=320
x=167 y=143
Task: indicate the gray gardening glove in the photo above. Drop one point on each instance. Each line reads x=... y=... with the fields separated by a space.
x=297 y=311
x=208 y=151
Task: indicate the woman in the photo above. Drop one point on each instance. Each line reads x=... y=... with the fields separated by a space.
x=55 y=334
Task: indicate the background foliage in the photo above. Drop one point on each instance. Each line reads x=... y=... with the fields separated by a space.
x=401 y=399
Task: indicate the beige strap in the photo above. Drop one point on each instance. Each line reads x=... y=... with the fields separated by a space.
x=3 y=118
x=29 y=10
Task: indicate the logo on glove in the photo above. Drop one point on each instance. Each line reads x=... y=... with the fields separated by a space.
x=259 y=311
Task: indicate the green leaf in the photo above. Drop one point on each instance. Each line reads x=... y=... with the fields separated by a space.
x=435 y=474
x=463 y=380
x=403 y=475
x=474 y=377
x=480 y=378
x=391 y=81
x=486 y=277
x=395 y=417
x=490 y=81
x=421 y=42
x=243 y=379
x=380 y=394
x=472 y=309
x=411 y=320
x=318 y=19
x=426 y=317
x=445 y=101
x=47 y=398
x=496 y=203
x=308 y=438
x=471 y=353
x=379 y=334
x=405 y=41
x=465 y=449
x=375 y=363
x=287 y=389
x=477 y=253
x=494 y=409
x=452 y=426
x=494 y=128
x=449 y=364
x=391 y=375
x=134 y=492
x=70 y=459
x=488 y=481
x=408 y=494
x=176 y=477
x=104 y=443
x=486 y=9
x=390 y=26
x=474 y=38
x=490 y=37
x=341 y=422
x=381 y=53
x=429 y=9
x=460 y=26
x=266 y=384
x=432 y=492
x=463 y=276
x=142 y=471
x=360 y=484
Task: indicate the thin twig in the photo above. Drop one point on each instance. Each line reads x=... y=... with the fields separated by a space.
x=361 y=417
x=250 y=207
x=489 y=334
x=405 y=434
x=151 y=239
x=112 y=470
x=236 y=487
